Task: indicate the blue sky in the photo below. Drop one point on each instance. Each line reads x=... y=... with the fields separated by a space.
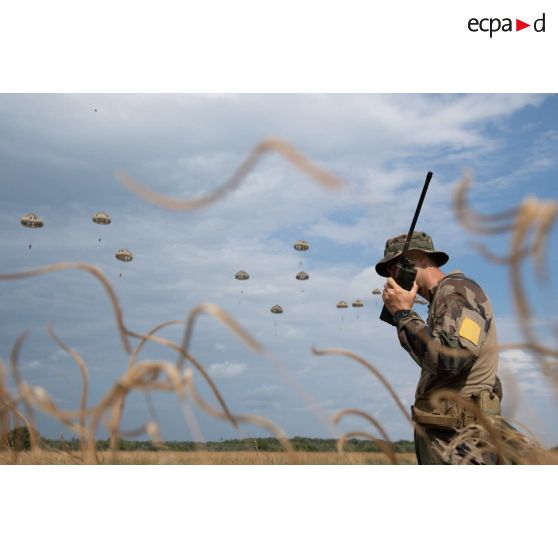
x=59 y=157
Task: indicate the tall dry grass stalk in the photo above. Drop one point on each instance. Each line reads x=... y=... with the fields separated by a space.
x=283 y=148
x=384 y=444
x=529 y=226
x=375 y=372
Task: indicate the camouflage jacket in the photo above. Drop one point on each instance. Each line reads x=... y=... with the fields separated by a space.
x=455 y=348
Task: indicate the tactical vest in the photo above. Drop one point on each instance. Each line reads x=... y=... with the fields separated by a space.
x=451 y=414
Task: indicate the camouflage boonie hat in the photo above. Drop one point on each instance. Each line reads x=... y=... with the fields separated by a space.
x=419 y=241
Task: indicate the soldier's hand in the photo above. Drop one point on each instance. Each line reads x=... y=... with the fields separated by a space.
x=396 y=298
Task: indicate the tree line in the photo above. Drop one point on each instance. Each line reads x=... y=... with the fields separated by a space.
x=18 y=439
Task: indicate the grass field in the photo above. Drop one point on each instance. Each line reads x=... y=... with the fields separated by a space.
x=208 y=458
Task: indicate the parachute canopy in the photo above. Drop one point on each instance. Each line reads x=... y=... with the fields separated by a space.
x=32 y=221
x=302 y=276
x=101 y=218
x=342 y=304
x=241 y=275
x=377 y=291
x=124 y=255
x=276 y=309
x=358 y=303
x=301 y=245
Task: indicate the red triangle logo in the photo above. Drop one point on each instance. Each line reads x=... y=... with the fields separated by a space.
x=519 y=25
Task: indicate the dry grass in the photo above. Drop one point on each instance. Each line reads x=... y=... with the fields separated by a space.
x=40 y=457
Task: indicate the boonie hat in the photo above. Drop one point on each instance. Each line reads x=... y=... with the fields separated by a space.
x=419 y=241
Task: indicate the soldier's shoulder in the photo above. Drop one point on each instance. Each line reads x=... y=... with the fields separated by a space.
x=461 y=285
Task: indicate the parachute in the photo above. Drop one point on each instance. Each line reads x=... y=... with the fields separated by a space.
x=124 y=255
x=276 y=310
x=302 y=276
x=342 y=304
x=101 y=218
x=358 y=304
x=301 y=245
x=241 y=276
x=31 y=221
x=377 y=291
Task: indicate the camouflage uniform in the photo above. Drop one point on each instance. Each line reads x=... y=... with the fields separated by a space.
x=454 y=349
x=460 y=317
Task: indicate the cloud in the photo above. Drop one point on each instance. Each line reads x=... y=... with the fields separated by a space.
x=227 y=369
x=526 y=371
x=539 y=156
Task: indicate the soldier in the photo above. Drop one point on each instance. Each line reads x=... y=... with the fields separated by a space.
x=454 y=348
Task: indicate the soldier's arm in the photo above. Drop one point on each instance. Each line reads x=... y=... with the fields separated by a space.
x=412 y=330
x=452 y=345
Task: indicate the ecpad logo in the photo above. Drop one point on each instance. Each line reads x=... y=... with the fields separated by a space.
x=494 y=24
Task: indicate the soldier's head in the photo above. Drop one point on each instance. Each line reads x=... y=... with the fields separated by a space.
x=421 y=252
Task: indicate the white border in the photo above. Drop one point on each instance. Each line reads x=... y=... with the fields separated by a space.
x=255 y=46
x=290 y=46
x=277 y=510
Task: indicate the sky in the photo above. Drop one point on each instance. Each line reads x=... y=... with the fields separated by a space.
x=59 y=154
